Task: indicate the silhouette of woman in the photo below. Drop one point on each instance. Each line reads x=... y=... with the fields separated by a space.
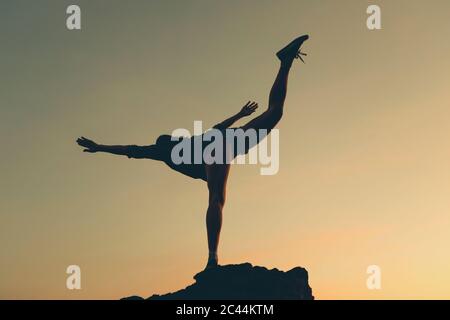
x=215 y=174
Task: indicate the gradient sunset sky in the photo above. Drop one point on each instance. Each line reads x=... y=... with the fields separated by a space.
x=364 y=145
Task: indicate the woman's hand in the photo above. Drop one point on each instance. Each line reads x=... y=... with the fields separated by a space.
x=90 y=145
x=248 y=109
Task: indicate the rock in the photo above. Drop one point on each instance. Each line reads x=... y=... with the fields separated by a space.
x=243 y=281
x=134 y=298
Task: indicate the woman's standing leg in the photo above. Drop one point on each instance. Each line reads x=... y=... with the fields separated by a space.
x=217 y=176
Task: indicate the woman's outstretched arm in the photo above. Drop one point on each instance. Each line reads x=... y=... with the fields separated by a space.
x=246 y=110
x=131 y=151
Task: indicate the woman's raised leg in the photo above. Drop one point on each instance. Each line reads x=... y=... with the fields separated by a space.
x=277 y=96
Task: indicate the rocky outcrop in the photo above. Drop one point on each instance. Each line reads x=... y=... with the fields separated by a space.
x=244 y=281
